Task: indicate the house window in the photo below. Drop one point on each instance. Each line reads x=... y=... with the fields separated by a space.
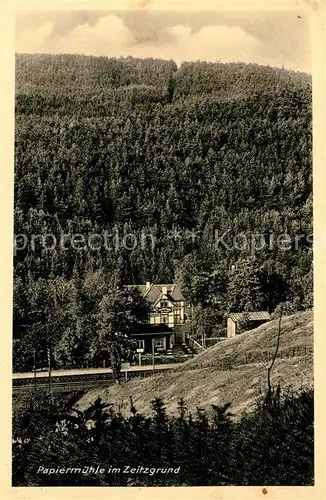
x=177 y=317
x=159 y=343
x=164 y=303
x=140 y=344
x=164 y=318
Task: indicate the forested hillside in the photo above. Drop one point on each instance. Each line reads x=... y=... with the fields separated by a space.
x=173 y=158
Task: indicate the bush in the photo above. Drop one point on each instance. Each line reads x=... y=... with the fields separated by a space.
x=272 y=445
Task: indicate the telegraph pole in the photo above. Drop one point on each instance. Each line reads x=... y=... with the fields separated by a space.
x=34 y=367
x=192 y=319
x=49 y=368
x=153 y=354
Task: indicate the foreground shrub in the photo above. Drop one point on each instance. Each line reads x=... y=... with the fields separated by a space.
x=273 y=445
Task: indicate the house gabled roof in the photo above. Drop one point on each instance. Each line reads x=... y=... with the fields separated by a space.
x=141 y=288
x=176 y=293
x=250 y=315
x=154 y=292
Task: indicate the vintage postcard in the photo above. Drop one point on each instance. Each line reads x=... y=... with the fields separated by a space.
x=163 y=186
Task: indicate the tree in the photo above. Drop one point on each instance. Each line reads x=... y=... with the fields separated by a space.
x=120 y=310
x=244 y=288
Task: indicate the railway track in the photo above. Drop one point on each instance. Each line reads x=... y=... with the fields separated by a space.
x=79 y=379
x=64 y=386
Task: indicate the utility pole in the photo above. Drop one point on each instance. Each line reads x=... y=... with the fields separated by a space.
x=203 y=338
x=192 y=319
x=49 y=368
x=153 y=354
x=34 y=367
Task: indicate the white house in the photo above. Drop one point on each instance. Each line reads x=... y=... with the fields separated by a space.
x=167 y=304
x=167 y=317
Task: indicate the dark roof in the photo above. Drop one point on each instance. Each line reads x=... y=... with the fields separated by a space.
x=150 y=328
x=250 y=315
x=155 y=291
x=141 y=288
x=152 y=334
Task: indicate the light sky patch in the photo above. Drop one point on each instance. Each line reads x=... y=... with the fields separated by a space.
x=276 y=38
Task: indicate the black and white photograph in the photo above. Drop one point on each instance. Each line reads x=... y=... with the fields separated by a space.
x=163 y=260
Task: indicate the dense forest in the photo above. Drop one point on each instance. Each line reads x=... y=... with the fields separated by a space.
x=271 y=446
x=163 y=161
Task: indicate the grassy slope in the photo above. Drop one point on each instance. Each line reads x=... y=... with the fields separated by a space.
x=205 y=386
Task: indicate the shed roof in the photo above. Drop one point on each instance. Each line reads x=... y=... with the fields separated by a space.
x=250 y=315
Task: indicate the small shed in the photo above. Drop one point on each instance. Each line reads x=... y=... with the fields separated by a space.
x=243 y=321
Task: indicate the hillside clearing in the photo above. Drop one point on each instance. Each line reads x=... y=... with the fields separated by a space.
x=201 y=387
